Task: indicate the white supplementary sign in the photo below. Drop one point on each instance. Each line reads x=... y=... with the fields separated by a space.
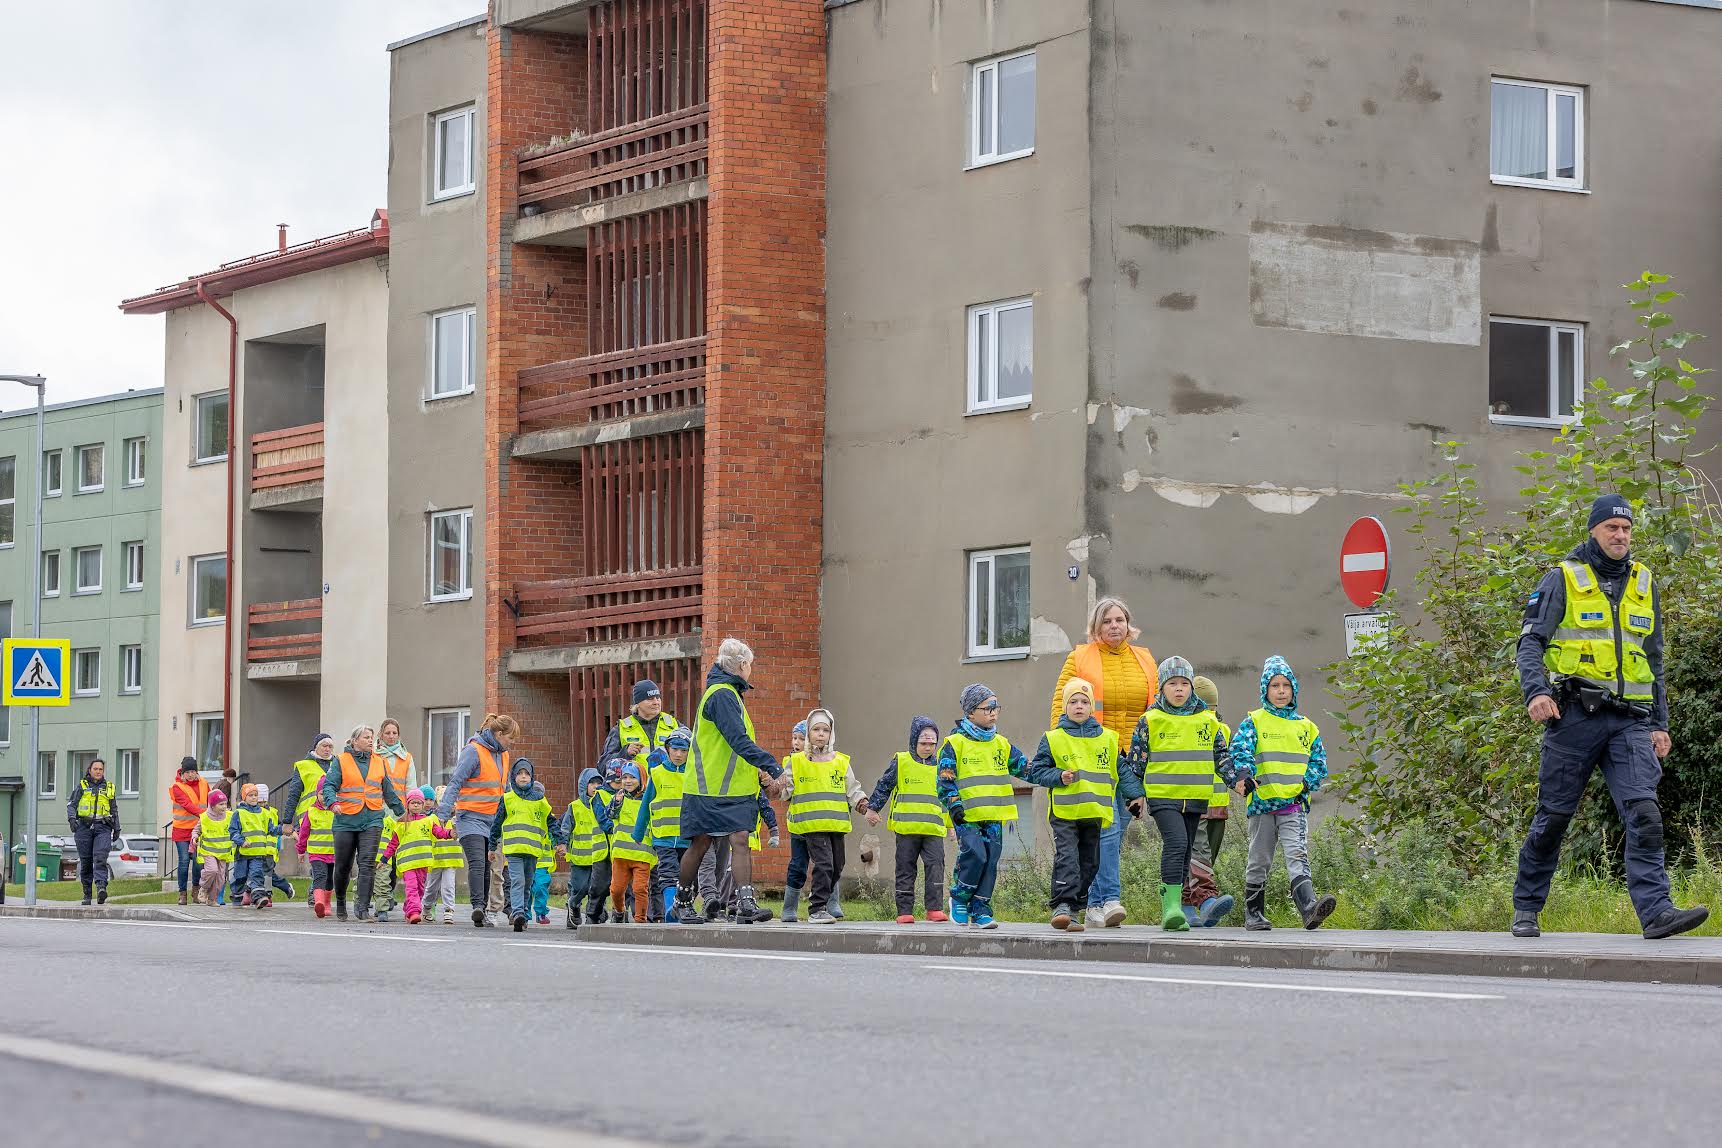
x=1361 y=629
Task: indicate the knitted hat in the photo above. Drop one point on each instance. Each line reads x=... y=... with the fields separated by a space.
x=248 y=794
x=1207 y=691
x=216 y=797
x=1607 y=507
x=800 y=728
x=413 y=795
x=1176 y=667
x=973 y=697
x=680 y=738
x=429 y=793
x=646 y=688
x=186 y=763
x=1077 y=688
x=321 y=738
x=262 y=792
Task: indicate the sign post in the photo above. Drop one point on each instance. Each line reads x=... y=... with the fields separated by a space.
x=35 y=674
x=1365 y=561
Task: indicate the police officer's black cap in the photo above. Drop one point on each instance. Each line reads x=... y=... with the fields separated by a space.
x=1607 y=507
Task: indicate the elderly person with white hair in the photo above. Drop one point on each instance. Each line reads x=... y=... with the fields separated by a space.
x=720 y=796
x=357 y=787
x=1125 y=681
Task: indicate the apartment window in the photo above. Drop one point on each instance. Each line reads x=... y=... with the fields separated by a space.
x=206 y=741
x=452 y=166
x=50 y=573
x=134 y=462
x=1001 y=355
x=86 y=673
x=52 y=466
x=131 y=669
x=1536 y=134
x=134 y=553
x=209 y=590
x=450 y=555
x=452 y=367
x=47 y=784
x=1536 y=371
x=1001 y=120
x=209 y=435
x=5 y=711
x=87 y=569
x=446 y=736
x=8 y=500
x=128 y=779
x=998 y=602
x=91 y=471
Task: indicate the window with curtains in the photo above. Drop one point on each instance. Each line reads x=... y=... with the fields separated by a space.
x=998 y=603
x=1536 y=134
x=1536 y=371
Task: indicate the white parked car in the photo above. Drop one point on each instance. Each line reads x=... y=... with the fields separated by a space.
x=135 y=855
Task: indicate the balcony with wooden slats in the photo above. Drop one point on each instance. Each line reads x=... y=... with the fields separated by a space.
x=284 y=640
x=287 y=469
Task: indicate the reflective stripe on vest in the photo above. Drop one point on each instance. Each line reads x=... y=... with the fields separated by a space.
x=321 y=840
x=1180 y=763
x=482 y=792
x=1282 y=754
x=1094 y=760
x=446 y=853
x=756 y=839
x=311 y=772
x=360 y=791
x=587 y=844
x=983 y=778
x=524 y=825
x=820 y=803
x=94 y=802
x=257 y=833
x=1222 y=796
x=632 y=728
x=916 y=810
x=185 y=817
x=1602 y=644
x=398 y=769
x=622 y=846
x=717 y=770
x=214 y=842
x=415 y=844
x=666 y=802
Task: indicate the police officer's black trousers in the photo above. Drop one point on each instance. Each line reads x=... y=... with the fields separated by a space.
x=1618 y=744
x=94 y=844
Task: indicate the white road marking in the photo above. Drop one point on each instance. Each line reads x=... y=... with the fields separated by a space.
x=103 y=921
x=309 y=1099
x=1270 y=985
x=668 y=950
x=365 y=936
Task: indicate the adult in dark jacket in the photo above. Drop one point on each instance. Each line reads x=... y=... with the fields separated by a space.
x=94 y=820
x=720 y=797
x=358 y=816
x=471 y=798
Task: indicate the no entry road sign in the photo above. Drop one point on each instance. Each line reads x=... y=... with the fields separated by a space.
x=36 y=672
x=1364 y=562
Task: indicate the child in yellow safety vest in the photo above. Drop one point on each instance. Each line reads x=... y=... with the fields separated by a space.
x=586 y=827
x=1078 y=762
x=1175 y=754
x=316 y=841
x=256 y=832
x=1204 y=904
x=823 y=791
x=522 y=832
x=214 y=845
x=410 y=846
x=383 y=890
x=976 y=768
x=446 y=861
x=631 y=860
x=911 y=784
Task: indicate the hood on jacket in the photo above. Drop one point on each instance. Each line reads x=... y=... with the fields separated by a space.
x=533 y=790
x=658 y=758
x=488 y=740
x=718 y=676
x=1274 y=667
x=1088 y=727
x=916 y=724
x=587 y=776
x=829 y=720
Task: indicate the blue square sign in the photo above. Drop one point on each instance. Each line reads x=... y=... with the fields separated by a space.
x=37 y=672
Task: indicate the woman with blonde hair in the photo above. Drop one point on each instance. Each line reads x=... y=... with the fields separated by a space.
x=471 y=796
x=1125 y=681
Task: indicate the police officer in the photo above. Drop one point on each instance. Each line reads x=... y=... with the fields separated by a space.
x=94 y=821
x=1590 y=665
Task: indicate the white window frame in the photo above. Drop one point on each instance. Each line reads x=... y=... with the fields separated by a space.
x=975 y=403
x=196 y=561
x=51 y=559
x=79 y=657
x=438 y=192
x=129 y=761
x=469 y=363
x=1550 y=123
x=432 y=756
x=133 y=554
x=197 y=402
x=58 y=458
x=466 y=555
x=78 y=585
x=101 y=452
x=131 y=669
x=1554 y=326
x=47 y=781
x=136 y=461
x=991 y=67
x=976 y=650
x=12 y=501
x=211 y=718
x=5 y=711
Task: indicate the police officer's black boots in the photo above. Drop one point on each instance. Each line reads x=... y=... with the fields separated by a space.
x=101 y=894
x=340 y=910
x=1525 y=923
x=1676 y=921
x=1256 y=908
x=86 y=894
x=1314 y=910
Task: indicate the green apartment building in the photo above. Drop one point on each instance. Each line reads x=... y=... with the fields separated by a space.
x=101 y=507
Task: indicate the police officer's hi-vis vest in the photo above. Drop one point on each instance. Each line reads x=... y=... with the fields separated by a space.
x=1601 y=644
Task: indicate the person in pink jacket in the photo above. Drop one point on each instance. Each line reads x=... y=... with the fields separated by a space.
x=409 y=846
x=316 y=840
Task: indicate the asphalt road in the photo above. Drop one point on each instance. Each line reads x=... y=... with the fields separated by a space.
x=495 y=1038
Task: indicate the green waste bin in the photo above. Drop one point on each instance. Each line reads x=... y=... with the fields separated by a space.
x=47 y=864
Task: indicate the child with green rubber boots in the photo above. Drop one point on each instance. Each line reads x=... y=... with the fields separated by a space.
x=1078 y=762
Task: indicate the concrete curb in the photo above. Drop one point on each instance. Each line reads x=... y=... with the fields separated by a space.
x=1545 y=960
x=64 y=912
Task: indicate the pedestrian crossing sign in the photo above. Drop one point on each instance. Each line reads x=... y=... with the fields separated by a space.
x=36 y=672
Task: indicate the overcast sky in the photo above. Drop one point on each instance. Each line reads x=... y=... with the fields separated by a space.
x=147 y=140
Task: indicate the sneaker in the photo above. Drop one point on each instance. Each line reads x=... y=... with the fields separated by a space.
x=1676 y=921
x=937 y=916
x=822 y=917
x=244 y=901
x=983 y=920
x=519 y=924
x=1095 y=917
x=905 y=918
x=448 y=916
x=383 y=917
x=959 y=912
x=1061 y=917
x=616 y=917
x=543 y=918
x=340 y=910
x=1076 y=925
x=265 y=901
x=573 y=920
x=1112 y=914
x=493 y=920
x=477 y=918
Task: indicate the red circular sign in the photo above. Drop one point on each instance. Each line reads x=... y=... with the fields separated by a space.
x=1364 y=561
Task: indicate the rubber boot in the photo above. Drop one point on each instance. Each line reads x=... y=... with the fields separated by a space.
x=320 y=902
x=1313 y=909
x=86 y=894
x=831 y=905
x=671 y=916
x=791 y=906
x=1172 y=918
x=1256 y=908
x=1212 y=910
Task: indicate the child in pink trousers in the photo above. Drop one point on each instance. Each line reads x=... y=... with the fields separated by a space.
x=410 y=847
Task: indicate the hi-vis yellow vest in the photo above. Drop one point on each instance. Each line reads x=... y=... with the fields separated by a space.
x=983 y=778
x=916 y=810
x=1222 y=796
x=716 y=770
x=1282 y=754
x=523 y=825
x=1602 y=645
x=214 y=842
x=414 y=844
x=666 y=816
x=1180 y=755
x=623 y=847
x=320 y=842
x=631 y=728
x=1094 y=760
x=93 y=802
x=257 y=833
x=587 y=843
x=820 y=803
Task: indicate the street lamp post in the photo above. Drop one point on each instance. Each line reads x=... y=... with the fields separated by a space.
x=30 y=764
